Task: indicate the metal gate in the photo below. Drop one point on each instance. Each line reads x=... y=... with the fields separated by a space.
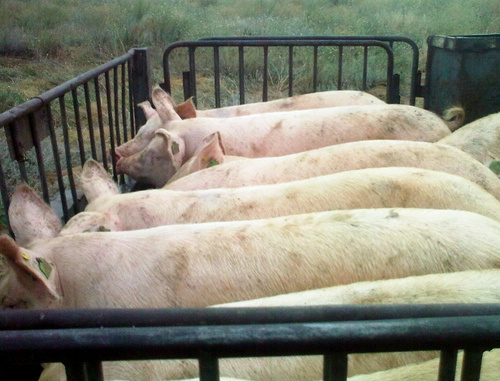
x=242 y=47
x=82 y=339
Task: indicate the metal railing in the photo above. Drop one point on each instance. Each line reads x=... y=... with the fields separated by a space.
x=84 y=117
x=82 y=339
x=292 y=44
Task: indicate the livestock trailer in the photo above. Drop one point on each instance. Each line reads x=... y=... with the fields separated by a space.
x=47 y=139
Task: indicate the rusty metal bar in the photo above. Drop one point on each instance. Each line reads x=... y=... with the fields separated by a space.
x=131 y=101
x=124 y=103
x=5 y=198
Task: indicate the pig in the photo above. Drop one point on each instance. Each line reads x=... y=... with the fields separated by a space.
x=326 y=160
x=197 y=265
x=364 y=188
x=187 y=110
x=320 y=99
x=482 y=287
x=480 y=139
x=275 y=134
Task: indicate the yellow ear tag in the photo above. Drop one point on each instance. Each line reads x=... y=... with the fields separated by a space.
x=203 y=159
x=25 y=255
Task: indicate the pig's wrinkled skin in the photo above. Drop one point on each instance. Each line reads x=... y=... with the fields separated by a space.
x=482 y=287
x=321 y=99
x=275 y=134
x=364 y=188
x=327 y=160
x=197 y=265
x=480 y=138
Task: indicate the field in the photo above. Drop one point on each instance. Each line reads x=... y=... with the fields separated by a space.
x=45 y=42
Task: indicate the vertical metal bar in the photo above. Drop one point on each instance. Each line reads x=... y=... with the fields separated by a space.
x=335 y=367
x=192 y=73
x=57 y=160
x=471 y=365
x=117 y=113
x=447 y=365
x=39 y=156
x=67 y=150
x=131 y=101
x=140 y=81
x=76 y=108
x=290 y=70
x=315 y=69
x=241 y=73
x=124 y=103
x=365 y=68
x=217 y=76
x=5 y=196
x=115 y=107
x=110 y=124
x=265 y=75
x=101 y=123
x=84 y=371
x=209 y=367
x=339 y=73
x=90 y=122
x=18 y=152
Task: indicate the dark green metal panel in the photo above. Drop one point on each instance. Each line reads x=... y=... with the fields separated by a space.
x=463 y=71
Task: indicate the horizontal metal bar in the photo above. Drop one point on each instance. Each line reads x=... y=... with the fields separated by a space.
x=95 y=318
x=109 y=344
x=34 y=104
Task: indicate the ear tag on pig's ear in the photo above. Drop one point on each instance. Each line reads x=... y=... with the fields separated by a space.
x=175 y=148
x=212 y=163
x=25 y=255
x=44 y=267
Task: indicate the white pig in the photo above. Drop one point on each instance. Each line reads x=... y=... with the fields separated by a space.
x=480 y=139
x=320 y=99
x=275 y=134
x=323 y=161
x=364 y=188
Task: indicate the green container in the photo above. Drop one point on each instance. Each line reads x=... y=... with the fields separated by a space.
x=463 y=71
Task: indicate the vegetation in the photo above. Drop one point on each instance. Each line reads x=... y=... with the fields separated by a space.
x=45 y=42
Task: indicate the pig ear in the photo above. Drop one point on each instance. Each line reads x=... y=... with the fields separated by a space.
x=186 y=109
x=30 y=217
x=147 y=109
x=96 y=182
x=164 y=105
x=175 y=147
x=27 y=263
x=210 y=152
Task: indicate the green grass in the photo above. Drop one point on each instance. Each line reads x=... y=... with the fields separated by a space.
x=81 y=34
